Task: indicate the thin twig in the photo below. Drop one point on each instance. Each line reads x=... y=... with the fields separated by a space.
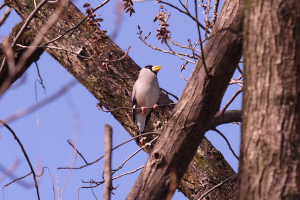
x=128 y=172
x=7 y=172
x=147 y=144
x=182 y=46
x=72 y=145
x=26 y=156
x=107 y=161
x=39 y=74
x=215 y=14
x=226 y=142
x=17 y=179
x=99 y=183
x=68 y=175
x=238 y=67
x=187 y=13
x=129 y=108
x=75 y=53
x=74 y=27
x=207 y=23
x=221 y=183
x=164 y=51
x=183 y=77
x=27 y=22
x=133 y=138
x=169 y=93
x=231 y=100
x=2 y=5
x=22 y=113
x=201 y=46
x=5 y=15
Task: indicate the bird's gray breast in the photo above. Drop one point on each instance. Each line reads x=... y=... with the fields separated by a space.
x=147 y=90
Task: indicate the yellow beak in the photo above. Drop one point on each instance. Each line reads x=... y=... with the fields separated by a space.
x=156 y=68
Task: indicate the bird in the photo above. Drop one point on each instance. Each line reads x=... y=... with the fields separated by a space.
x=145 y=93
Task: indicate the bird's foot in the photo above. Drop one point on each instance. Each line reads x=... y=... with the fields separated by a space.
x=143 y=110
x=155 y=106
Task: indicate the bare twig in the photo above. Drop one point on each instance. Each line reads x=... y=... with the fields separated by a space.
x=36 y=100
x=207 y=23
x=75 y=53
x=113 y=171
x=128 y=172
x=128 y=108
x=231 y=100
x=238 y=82
x=201 y=46
x=2 y=5
x=238 y=67
x=147 y=144
x=5 y=15
x=41 y=80
x=216 y=186
x=99 y=183
x=107 y=161
x=72 y=145
x=215 y=14
x=226 y=142
x=183 y=77
x=68 y=175
x=169 y=93
x=182 y=46
x=76 y=26
x=187 y=12
x=22 y=113
x=164 y=51
x=20 y=178
x=133 y=138
x=27 y=21
x=26 y=156
x=10 y=170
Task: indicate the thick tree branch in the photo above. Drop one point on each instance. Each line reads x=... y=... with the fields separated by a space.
x=228 y=116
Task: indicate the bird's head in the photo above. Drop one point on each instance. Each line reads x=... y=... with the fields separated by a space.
x=154 y=69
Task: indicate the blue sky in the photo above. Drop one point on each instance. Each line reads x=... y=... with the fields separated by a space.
x=75 y=116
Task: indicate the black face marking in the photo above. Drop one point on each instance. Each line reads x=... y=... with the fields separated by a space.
x=150 y=68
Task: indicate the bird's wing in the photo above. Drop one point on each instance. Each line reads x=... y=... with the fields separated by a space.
x=133 y=104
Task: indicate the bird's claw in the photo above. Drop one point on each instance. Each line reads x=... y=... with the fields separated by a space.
x=143 y=110
x=155 y=106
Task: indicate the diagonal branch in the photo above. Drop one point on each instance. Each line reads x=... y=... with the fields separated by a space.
x=26 y=156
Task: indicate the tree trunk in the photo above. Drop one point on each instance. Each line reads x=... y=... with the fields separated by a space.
x=208 y=167
x=270 y=153
x=195 y=109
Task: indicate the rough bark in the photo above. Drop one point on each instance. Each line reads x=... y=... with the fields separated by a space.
x=25 y=39
x=270 y=153
x=195 y=109
x=208 y=167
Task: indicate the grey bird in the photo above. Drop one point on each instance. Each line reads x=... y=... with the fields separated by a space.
x=145 y=93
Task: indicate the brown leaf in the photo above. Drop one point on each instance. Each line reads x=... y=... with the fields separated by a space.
x=86 y=5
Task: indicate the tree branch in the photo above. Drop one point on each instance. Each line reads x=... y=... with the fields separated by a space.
x=26 y=156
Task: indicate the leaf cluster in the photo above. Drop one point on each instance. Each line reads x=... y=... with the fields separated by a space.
x=129 y=6
x=94 y=22
x=163 y=32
